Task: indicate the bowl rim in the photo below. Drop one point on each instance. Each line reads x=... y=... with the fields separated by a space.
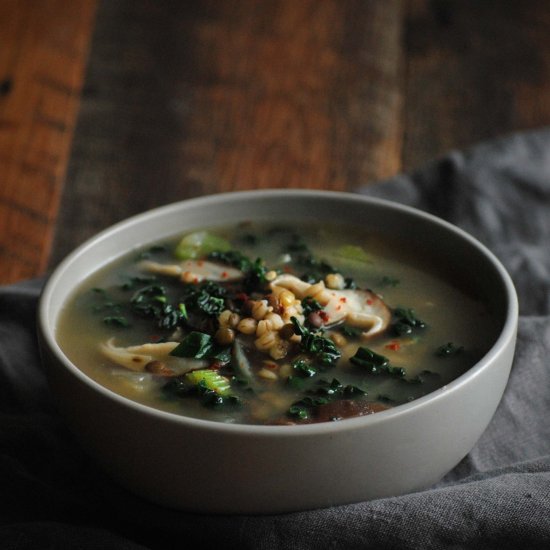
x=507 y=333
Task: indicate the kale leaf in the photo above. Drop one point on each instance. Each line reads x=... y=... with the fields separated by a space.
x=448 y=350
x=322 y=349
x=254 y=270
x=324 y=392
x=152 y=302
x=405 y=321
x=206 y=298
x=199 y=345
x=375 y=363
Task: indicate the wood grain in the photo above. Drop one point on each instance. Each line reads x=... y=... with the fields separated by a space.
x=301 y=94
x=43 y=52
x=475 y=70
x=187 y=98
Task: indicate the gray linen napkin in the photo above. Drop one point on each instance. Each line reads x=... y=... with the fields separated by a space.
x=53 y=496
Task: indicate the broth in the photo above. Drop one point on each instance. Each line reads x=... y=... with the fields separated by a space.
x=328 y=322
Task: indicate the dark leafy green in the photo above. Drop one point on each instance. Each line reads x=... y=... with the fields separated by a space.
x=254 y=270
x=111 y=307
x=233 y=258
x=315 y=269
x=179 y=387
x=350 y=332
x=152 y=302
x=387 y=281
x=132 y=283
x=199 y=345
x=296 y=244
x=304 y=368
x=375 y=363
x=206 y=298
x=196 y=345
x=448 y=350
x=116 y=321
x=324 y=392
x=320 y=348
x=349 y=283
x=310 y=305
x=249 y=239
x=405 y=321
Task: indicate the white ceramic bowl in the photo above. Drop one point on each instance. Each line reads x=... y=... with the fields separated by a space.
x=205 y=466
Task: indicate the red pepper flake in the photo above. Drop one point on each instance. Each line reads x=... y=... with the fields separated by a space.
x=343 y=299
x=215 y=365
x=196 y=280
x=243 y=296
x=271 y=365
x=224 y=275
x=324 y=316
x=369 y=302
x=394 y=346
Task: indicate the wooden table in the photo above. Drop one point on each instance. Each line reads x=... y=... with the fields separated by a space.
x=110 y=108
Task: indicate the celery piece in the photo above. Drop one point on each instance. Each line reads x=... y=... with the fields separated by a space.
x=209 y=379
x=353 y=252
x=199 y=244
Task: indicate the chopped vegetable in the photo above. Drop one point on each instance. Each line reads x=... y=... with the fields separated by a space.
x=375 y=363
x=241 y=364
x=213 y=389
x=304 y=368
x=152 y=302
x=322 y=349
x=354 y=253
x=364 y=357
x=254 y=270
x=386 y=281
x=132 y=283
x=199 y=244
x=310 y=305
x=210 y=380
x=406 y=321
x=325 y=392
x=449 y=350
x=117 y=321
x=197 y=345
x=351 y=332
x=206 y=298
x=135 y=358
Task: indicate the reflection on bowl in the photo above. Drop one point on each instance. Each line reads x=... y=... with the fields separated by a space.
x=205 y=466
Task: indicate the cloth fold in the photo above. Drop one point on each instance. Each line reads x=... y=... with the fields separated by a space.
x=53 y=496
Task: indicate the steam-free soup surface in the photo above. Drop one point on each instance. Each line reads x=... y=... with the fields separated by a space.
x=274 y=324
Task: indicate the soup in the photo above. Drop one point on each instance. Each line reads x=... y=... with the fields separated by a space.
x=274 y=324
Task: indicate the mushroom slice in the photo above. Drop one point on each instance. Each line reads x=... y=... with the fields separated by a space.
x=135 y=357
x=241 y=363
x=359 y=308
x=194 y=271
